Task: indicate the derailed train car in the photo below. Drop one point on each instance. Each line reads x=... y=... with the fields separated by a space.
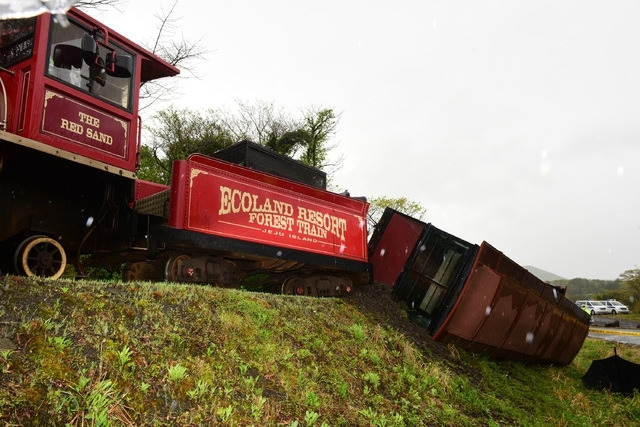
x=472 y=295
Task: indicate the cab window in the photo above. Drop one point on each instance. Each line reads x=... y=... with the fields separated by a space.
x=79 y=57
x=16 y=40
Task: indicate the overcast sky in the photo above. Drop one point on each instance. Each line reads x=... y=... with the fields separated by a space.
x=514 y=122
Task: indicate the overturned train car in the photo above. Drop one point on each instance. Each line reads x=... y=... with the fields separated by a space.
x=474 y=296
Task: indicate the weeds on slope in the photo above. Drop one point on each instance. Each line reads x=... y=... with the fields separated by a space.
x=93 y=353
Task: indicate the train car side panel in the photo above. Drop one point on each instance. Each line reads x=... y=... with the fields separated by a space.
x=390 y=251
x=212 y=197
x=511 y=326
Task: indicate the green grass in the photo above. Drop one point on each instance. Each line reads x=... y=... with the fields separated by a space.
x=141 y=354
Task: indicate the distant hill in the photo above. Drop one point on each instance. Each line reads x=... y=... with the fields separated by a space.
x=545 y=276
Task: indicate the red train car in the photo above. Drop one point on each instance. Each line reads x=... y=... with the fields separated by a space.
x=69 y=139
x=474 y=295
x=233 y=226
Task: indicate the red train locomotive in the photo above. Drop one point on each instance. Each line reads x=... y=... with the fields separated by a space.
x=70 y=138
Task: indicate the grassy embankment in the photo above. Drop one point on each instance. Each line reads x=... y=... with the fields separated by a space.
x=96 y=354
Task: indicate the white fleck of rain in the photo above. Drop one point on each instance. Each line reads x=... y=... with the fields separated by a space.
x=89 y=221
x=487 y=310
x=545 y=165
x=279 y=253
x=423 y=248
x=529 y=338
x=382 y=251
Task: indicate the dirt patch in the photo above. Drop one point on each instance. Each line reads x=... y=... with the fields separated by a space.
x=376 y=300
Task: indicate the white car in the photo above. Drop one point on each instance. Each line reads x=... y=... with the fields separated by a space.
x=615 y=307
x=593 y=307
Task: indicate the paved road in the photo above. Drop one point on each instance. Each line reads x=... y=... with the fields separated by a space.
x=627 y=332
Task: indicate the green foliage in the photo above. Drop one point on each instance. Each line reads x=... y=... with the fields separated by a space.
x=151 y=168
x=319 y=126
x=175 y=135
x=377 y=206
x=631 y=282
x=579 y=288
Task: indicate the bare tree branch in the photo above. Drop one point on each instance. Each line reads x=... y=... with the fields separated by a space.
x=99 y=4
x=182 y=53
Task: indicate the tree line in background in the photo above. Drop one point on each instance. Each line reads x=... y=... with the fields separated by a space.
x=177 y=133
x=625 y=289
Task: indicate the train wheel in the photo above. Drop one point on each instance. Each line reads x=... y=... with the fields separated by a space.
x=140 y=271
x=40 y=256
x=291 y=286
x=173 y=269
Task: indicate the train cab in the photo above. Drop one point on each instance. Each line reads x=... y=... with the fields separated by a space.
x=75 y=87
x=70 y=137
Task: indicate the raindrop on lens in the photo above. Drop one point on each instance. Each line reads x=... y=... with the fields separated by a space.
x=529 y=338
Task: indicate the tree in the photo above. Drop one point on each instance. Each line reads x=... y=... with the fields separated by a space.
x=263 y=124
x=631 y=281
x=377 y=206
x=177 y=134
x=320 y=125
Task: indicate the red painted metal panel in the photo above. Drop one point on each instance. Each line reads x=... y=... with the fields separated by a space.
x=394 y=248
x=214 y=197
x=502 y=315
x=474 y=302
x=70 y=119
x=502 y=310
x=148 y=188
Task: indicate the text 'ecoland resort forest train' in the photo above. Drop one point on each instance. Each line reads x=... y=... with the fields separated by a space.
x=244 y=216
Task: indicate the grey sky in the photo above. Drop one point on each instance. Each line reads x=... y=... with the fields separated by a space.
x=514 y=122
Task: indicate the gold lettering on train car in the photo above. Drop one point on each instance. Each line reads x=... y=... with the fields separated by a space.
x=281 y=222
x=99 y=136
x=331 y=223
x=74 y=127
x=234 y=201
x=277 y=214
x=90 y=120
